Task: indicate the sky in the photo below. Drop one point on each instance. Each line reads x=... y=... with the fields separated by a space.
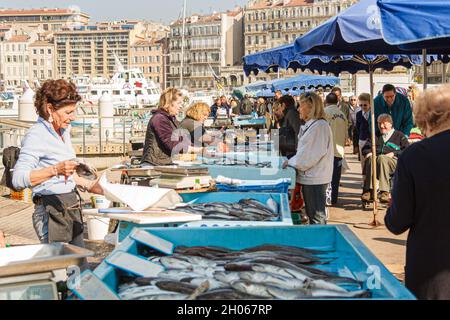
x=153 y=10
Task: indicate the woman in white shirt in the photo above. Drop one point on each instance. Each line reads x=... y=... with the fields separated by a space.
x=314 y=157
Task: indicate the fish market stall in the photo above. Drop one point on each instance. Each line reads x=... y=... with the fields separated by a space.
x=249 y=121
x=31 y=272
x=317 y=262
x=212 y=206
x=249 y=166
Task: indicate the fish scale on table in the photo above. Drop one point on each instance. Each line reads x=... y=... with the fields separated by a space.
x=260 y=272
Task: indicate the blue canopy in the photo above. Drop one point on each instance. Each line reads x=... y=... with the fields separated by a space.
x=356 y=30
x=266 y=93
x=257 y=86
x=304 y=81
x=416 y=24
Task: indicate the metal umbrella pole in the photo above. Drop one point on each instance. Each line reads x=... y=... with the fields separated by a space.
x=425 y=70
x=375 y=223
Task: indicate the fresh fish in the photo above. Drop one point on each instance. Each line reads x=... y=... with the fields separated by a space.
x=171 y=262
x=172 y=296
x=283 y=248
x=225 y=294
x=277 y=280
x=176 y=286
x=272 y=205
x=253 y=289
x=318 y=294
x=226 y=277
x=197 y=261
x=140 y=292
x=176 y=274
x=213 y=283
x=86 y=171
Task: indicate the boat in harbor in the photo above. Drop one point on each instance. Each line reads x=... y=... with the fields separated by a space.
x=9 y=105
x=128 y=88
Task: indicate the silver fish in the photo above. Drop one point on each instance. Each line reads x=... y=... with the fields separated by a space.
x=176 y=274
x=250 y=288
x=226 y=277
x=171 y=262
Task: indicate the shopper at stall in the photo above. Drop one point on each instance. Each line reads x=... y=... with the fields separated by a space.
x=214 y=108
x=342 y=104
x=419 y=199
x=353 y=109
x=339 y=128
x=398 y=106
x=163 y=139
x=46 y=164
x=362 y=124
x=290 y=122
x=314 y=157
x=390 y=144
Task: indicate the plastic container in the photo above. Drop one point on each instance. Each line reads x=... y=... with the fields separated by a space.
x=352 y=257
x=97 y=227
x=100 y=202
x=275 y=188
x=285 y=218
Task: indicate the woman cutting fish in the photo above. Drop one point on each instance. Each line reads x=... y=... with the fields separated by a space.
x=45 y=164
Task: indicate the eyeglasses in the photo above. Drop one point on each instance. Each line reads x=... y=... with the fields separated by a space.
x=363 y=105
x=352 y=99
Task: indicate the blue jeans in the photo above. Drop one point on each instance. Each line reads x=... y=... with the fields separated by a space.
x=315 y=198
x=337 y=172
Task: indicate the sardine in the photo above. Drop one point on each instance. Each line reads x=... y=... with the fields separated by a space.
x=225 y=294
x=176 y=286
x=252 y=289
x=171 y=262
x=176 y=274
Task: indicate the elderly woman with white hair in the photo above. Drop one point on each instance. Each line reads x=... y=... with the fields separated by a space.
x=390 y=143
x=420 y=199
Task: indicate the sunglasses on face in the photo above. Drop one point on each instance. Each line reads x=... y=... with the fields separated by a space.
x=352 y=99
x=363 y=105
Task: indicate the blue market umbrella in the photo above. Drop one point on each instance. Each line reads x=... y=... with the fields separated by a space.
x=266 y=93
x=304 y=81
x=416 y=24
x=356 y=30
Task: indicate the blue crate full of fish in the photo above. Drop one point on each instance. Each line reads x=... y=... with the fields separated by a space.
x=219 y=203
x=310 y=262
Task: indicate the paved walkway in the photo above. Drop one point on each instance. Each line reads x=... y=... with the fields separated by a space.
x=390 y=249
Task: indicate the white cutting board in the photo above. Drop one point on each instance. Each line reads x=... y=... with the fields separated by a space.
x=146 y=218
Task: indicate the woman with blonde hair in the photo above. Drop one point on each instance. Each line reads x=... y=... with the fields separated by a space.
x=314 y=157
x=419 y=199
x=193 y=123
x=163 y=139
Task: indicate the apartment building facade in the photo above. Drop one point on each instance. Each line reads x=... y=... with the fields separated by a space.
x=147 y=55
x=272 y=23
x=91 y=50
x=211 y=43
x=45 y=19
x=15 y=60
x=42 y=60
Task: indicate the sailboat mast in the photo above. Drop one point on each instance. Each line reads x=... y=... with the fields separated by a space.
x=182 y=43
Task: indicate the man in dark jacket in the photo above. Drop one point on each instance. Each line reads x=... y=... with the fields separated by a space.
x=390 y=143
x=396 y=105
x=246 y=107
x=289 y=126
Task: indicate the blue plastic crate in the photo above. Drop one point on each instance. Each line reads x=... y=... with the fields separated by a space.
x=281 y=199
x=275 y=188
x=353 y=258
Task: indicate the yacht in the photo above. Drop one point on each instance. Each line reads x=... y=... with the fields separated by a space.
x=9 y=105
x=128 y=88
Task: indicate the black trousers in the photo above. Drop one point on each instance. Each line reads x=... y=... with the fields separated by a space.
x=337 y=172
